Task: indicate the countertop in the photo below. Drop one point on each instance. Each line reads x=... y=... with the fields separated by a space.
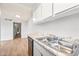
x=53 y=50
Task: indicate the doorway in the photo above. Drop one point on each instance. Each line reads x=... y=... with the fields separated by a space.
x=16 y=30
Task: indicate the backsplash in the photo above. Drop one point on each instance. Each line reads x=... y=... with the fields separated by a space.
x=66 y=38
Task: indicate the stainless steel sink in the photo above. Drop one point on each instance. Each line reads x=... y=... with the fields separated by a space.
x=48 y=38
x=49 y=41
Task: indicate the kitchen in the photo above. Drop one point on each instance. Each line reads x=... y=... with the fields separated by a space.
x=52 y=28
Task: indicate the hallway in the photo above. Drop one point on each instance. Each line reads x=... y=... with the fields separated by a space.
x=17 y=47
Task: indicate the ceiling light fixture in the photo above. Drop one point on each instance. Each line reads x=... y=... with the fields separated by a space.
x=34 y=19
x=17 y=16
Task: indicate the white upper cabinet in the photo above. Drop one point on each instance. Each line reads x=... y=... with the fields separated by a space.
x=52 y=11
x=65 y=9
x=43 y=11
x=47 y=10
x=59 y=7
x=37 y=14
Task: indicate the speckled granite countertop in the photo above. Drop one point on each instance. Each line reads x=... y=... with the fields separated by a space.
x=57 y=52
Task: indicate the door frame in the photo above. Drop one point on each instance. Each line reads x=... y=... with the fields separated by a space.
x=14 y=30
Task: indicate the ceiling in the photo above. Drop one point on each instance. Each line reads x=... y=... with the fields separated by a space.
x=24 y=10
x=33 y=5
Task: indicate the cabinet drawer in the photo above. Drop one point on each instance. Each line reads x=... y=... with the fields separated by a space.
x=42 y=50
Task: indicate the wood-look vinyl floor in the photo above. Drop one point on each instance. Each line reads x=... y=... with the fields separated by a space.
x=17 y=47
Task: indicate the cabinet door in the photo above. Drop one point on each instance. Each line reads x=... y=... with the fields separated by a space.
x=47 y=10
x=37 y=14
x=45 y=52
x=59 y=7
x=42 y=50
x=36 y=52
x=43 y=11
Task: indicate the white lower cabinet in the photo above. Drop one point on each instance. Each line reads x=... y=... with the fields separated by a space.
x=36 y=51
x=40 y=51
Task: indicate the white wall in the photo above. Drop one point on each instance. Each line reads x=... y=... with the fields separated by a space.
x=0 y=11
x=66 y=26
x=24 y=29
x=6 y=30
x=0 y=28
x=0 y=23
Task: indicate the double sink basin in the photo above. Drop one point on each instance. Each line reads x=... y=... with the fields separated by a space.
x=53 y=42
x=48 y=40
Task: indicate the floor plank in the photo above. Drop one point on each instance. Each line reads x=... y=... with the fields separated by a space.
x=17 y=47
